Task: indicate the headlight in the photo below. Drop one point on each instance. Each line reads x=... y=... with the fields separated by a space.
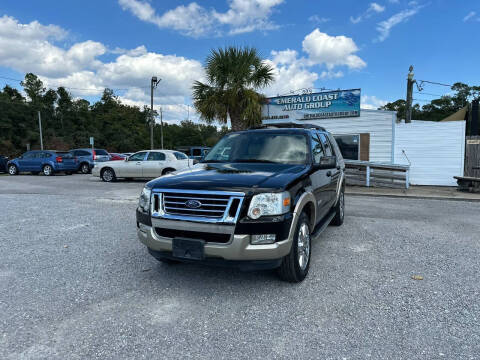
x=144 y=200
x=269 y=204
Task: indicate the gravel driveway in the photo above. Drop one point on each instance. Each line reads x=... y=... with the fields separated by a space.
x=75 y=283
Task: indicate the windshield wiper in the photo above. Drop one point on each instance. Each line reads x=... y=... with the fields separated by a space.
x=255 y=161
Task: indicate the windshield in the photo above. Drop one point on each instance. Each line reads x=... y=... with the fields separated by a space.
x=257 y=146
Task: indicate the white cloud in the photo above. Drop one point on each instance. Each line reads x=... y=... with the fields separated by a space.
x=469 y=16
x=332 y=50
x=386 y=26
x=316 y=19
x=331 y=74
x=372 y=8
x=372 y=102
x=32 y=48
x=196 y=21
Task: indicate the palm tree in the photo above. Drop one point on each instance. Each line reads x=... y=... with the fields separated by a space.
x=233 y=74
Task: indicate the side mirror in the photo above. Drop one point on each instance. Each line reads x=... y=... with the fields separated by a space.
x=326 y=162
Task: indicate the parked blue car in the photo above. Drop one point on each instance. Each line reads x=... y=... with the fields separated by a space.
x=47 y=161
x=88 y=157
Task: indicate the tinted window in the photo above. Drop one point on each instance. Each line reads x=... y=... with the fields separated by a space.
x=349 y=146
x=138 y=156
x=65 y=155
x=82 y=153
x=180 y=156
x=260 y=146
x=326 y=145
x=29 y=155
x=156 y=156
x=101 y=152
x=317 y=149
x=197 y=152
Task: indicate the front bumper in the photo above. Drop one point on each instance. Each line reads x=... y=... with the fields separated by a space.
x=238 y=248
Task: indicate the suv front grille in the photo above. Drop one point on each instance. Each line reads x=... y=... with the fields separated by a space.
x=210 y=205
x=203 y=206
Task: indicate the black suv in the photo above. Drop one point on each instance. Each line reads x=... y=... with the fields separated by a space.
x=255 y=201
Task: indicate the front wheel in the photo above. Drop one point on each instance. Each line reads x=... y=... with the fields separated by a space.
x=47 y=170
x=12 y=170
x=85 y=168
x=108 y=175
x=295 y=265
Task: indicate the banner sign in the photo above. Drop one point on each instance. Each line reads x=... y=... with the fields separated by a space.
x=323 y=105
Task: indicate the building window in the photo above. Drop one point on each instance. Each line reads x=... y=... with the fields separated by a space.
x=349 y=146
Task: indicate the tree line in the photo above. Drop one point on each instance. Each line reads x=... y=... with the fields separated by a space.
x=437 y=109
x=69 y=122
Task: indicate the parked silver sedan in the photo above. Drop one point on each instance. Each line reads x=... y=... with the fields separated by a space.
x=143 y=164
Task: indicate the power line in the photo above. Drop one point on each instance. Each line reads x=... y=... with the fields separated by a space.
x=434 y=83
x=424 y=93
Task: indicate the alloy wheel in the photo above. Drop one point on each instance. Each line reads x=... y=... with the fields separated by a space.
x=303 y=244
x=47 y=170
x=107 y=175
x=12 y=170
x=85 y=169
x=342 y=204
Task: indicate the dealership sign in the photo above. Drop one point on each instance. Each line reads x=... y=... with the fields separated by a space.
x=324 y=105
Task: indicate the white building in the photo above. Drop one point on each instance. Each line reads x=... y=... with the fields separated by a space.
x=434 y=150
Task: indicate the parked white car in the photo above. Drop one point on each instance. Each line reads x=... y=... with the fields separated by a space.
x=142 y=164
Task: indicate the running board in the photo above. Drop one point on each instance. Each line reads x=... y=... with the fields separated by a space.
x=323 y=224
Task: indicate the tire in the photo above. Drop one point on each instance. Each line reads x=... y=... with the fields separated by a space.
x=167 y=171
x=108 y=175
x=84 y=168
x=12 y=170
x=295 y=265
x=339 y=209
x=35 y=172
x=47 y=170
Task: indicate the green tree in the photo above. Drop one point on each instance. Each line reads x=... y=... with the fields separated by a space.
x=233 y=76
x=33 y=86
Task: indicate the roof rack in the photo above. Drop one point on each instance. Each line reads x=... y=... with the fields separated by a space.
x=289 y=125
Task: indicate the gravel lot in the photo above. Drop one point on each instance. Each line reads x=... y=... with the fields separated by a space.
x=75 y=283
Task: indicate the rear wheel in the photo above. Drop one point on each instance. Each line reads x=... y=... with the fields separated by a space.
x=108 y=175
x=339 y=209
x=167 y=171
x=85 y=168
x=47 y=170
x=12 y=170
x=295 y=265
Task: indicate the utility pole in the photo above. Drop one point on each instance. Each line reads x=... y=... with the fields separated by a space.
x=40 y=127
x=408 y=109
x=153 y=85
x=161 y=127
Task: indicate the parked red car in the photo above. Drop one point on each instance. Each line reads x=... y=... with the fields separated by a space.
x=115 y=156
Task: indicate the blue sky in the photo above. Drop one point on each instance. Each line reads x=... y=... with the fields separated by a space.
x=87 y=45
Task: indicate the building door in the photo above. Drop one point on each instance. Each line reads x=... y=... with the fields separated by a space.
x=472 y=156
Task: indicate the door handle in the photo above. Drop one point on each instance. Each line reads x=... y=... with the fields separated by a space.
x=329 y=173
x=139 y=163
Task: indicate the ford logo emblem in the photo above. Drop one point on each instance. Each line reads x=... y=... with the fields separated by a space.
x=193 y=204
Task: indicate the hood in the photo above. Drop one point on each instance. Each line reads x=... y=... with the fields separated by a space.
x=245 y=177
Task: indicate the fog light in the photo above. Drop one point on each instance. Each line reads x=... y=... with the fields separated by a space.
x=263 y=239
